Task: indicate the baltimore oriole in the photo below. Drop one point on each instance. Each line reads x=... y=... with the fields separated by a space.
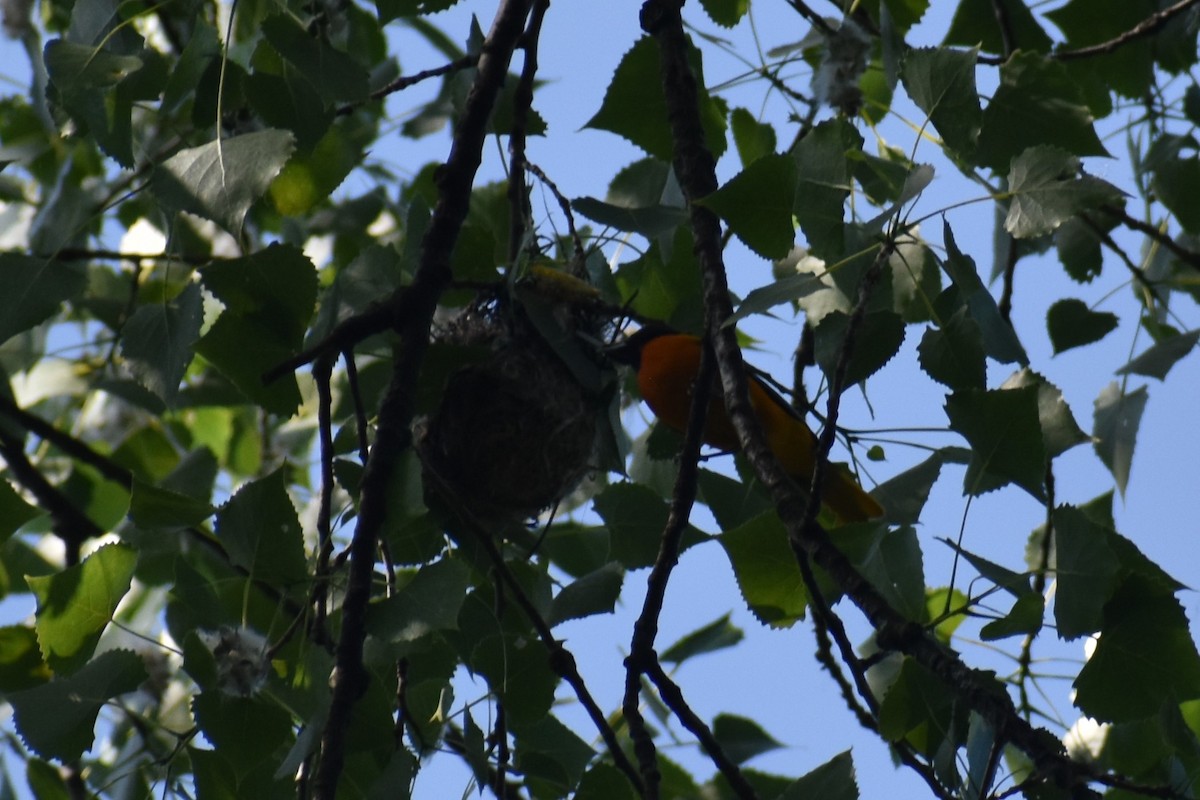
x=667 y=363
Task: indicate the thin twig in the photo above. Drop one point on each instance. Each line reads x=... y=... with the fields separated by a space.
x=411 y=314
x=642 y=657
x=71 y=525
x=75 y=448
x=563 y=203
x=405 y=81
x=1189 y=257
x=1147 y=27
x=519 y=214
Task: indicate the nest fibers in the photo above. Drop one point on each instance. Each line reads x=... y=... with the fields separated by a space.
x=514 y=433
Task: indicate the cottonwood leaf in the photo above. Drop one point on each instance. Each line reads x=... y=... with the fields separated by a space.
x=942 y=84
x=635 y=107
x=31 y=289
x=833 y=780
x=1048 y=187
x=1157 y=361
x=261 y=532
x=766 y=570
x=158 y=341
x=756 y=204
x=1037 y=103
x=742 y=739
x=1145 y=656
x=76 y=605
x=57 y=719
x=1004 y=431
x=953 y=354
x=716 y=635
x=1115 y=421
x=221 y=179
x=594 y=593
x=430 y=601
x=1072 y=324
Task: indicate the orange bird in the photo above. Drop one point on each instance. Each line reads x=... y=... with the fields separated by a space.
x=667 y=363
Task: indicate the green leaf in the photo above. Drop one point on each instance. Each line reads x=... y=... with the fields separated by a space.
x=742 y=739
x=756 y=203
x=905 y=495
x=942 y=84
x=784 y=290
x=716 y=635
x=594 y=593
x=824 y=184
x=645 y=182
x=766 y=570
x=334 y=74
x=56 y=720
x=1174 y=184
x=891 y=560
x=752 y=138
x=309 y=178
x=605 y=782
x=21 y=664
x=31 y=289
x=552 y=757
x=975 y=23
x=158 y=341
x=999 y=340
x=98 y=87
x=953 y=354
x=518 y=670
x=1048 y=188
x=635 y=108
x=725 y=13
x=1037 y=103
x=1078 y=245
x=261 y=533
x=1127 y=70
x=156 y=507
x=246 y=732
x=1023 y=619
x=877 y=339
x=833 y=780
x=391 y=9
x=918 y=707
x=269 y=299
x=75 y=605
x=649 y=221
x=732 y=501
x=1072 y=324
x=1157 y=361
x=429 y=602
x=14 y=511
x=635 y=517
x=1115 y=421
x=1060 y=431
x=220 y=180
x=288 y=102
x=1145 y=656
x=1086 y=569
x=1004 y=431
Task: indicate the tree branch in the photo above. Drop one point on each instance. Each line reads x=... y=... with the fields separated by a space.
x=411 y=313
x=694 y=166
x=1147 y=27
x=642 y=657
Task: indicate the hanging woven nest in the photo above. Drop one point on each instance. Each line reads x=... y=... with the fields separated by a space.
x=514 y=433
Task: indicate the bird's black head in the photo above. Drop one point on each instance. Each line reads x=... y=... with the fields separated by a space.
x=628 y=351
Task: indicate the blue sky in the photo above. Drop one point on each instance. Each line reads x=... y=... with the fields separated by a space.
x=773 y=677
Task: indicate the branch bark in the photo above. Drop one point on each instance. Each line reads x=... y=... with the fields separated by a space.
x=394 y=435
x=694 y=167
